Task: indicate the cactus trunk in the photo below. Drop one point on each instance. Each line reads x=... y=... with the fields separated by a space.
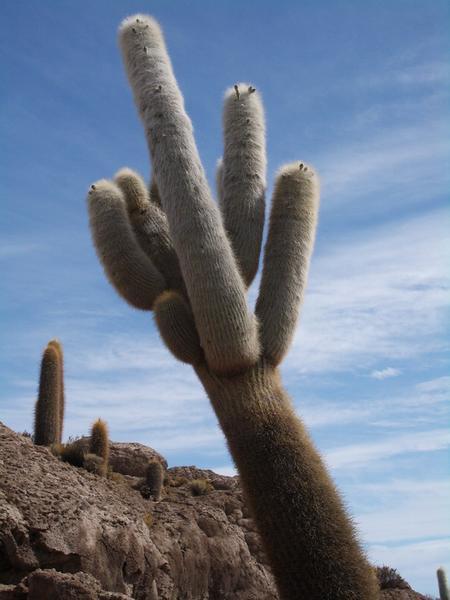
x=311 y=543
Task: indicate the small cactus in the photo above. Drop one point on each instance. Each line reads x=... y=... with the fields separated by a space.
x=200 y=487
x=444 y=592
x=94 y=464
x=47 y=411
x=154 y=476
x=99 y=443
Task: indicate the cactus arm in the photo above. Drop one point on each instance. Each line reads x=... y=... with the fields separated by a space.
x=150 y=226
x=126 y=265
x=310 y=541
x=244 y=176
x=287 y=253
x=177 y=327
x=58 y=346
x=444 y=592
x=219 y=180
x=46 y=416
x=226 y=327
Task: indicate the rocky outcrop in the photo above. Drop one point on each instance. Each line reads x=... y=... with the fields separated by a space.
x=53 y=585
x=54 y=515
x=67 y=533
x=127 y=458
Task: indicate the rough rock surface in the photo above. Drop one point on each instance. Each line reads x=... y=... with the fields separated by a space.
x=128 y=458
x=50 y=584
x=54 y=515
x=105 y=540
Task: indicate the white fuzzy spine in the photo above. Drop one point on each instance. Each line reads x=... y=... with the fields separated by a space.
x=289 y=245
x=126 y=265
x=244 y=175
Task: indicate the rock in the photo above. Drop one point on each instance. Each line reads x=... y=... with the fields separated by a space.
x=56 y=516
x=128 y=458
x=69 y=534
x=50 y=584
x=53 y=585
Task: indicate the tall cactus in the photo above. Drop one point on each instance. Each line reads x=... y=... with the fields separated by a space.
x=444 y=592
x=204 y=317
x=47 y=414
x=62 y=401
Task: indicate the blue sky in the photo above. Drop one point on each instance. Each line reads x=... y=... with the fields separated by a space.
x=357 y=88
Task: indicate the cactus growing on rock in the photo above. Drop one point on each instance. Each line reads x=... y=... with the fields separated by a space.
x=444 y=592
x=99 y=443
x=62 y=401
x=154 y=477
x=47 y=414
x=205 y=319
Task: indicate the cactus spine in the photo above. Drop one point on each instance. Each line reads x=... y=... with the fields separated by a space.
x=47 y=416
x=154 y=477
x=99 y=443
x=444 y=592
x=205 y=321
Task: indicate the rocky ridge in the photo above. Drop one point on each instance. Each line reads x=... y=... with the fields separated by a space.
x=67 y=533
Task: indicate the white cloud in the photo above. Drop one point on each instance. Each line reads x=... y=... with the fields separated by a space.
x=227 y=470
x=385 y=373
x=378 y=295
x=361 y=455
x=406 y=510
x=12 y=248
x=416 y=562
x=436 y=387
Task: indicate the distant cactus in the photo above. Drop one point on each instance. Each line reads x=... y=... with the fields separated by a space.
x=443 y=585
x=99 y=442
x=200 y=487
x=47 y=420
x=154 y=476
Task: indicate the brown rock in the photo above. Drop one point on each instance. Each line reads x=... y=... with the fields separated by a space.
x=128 y=458
x=106 y=542
x=53 y=515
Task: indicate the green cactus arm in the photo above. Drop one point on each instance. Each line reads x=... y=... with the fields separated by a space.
x=46 y=415
x=226 y=327
x=219 y=180
x=62 y=401
x=176 y=325
x=290 y=240
x=310 y=542
x=126 y=265
x=150 y=226
x=444 y=592
x=243 y=177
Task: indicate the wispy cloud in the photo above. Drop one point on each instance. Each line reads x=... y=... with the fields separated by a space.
x=381 y=294
x=12 y=248
x=361 y=455
x=385 y=373
x=416 y=562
